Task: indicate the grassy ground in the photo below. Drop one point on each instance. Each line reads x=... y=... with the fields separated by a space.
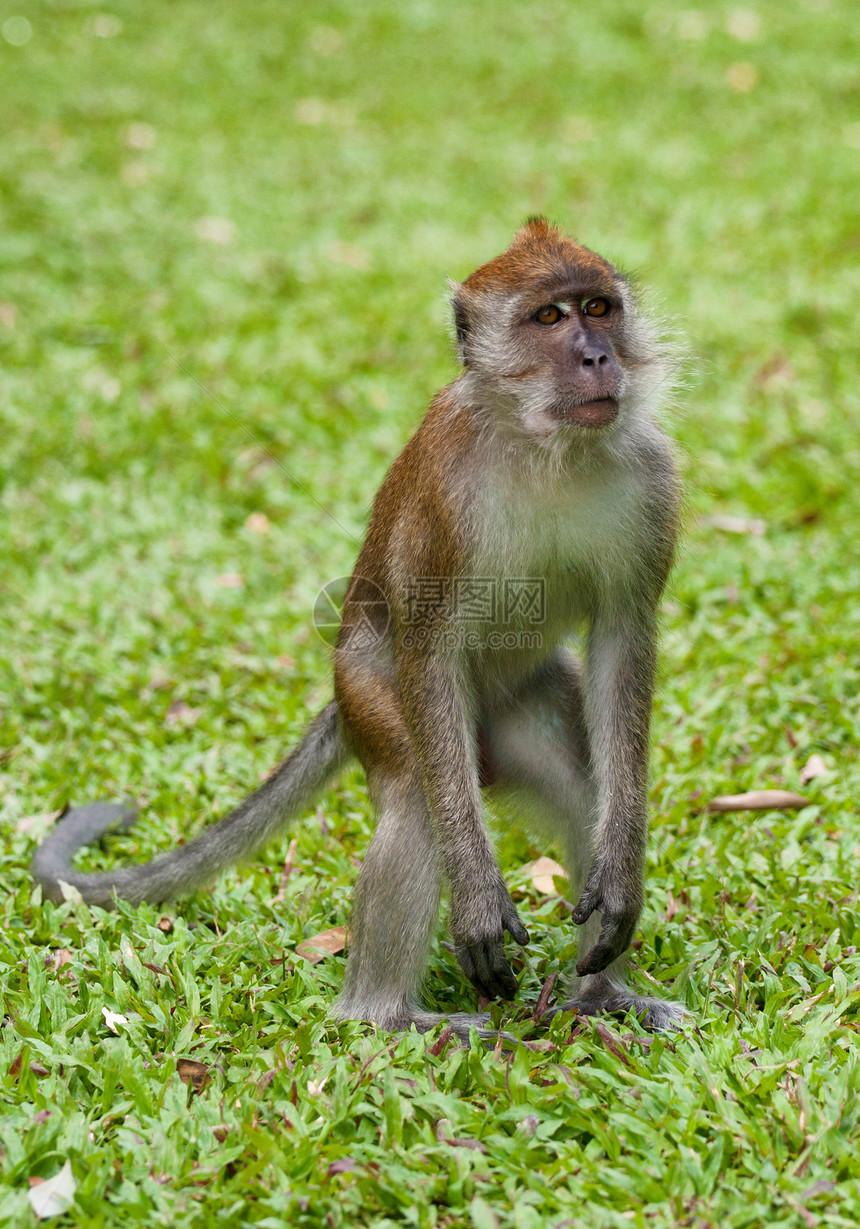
x=225 y=233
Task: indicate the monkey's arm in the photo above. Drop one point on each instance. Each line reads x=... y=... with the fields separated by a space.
x=619 y=687
x=481 y=907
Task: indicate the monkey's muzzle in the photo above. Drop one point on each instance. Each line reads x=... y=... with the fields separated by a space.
x=598 y=413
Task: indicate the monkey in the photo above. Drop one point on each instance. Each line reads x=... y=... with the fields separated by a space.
x=537 y=502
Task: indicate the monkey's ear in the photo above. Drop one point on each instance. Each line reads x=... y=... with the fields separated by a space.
x=461 y=319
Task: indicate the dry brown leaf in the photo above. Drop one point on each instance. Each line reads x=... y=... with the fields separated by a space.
x=136 y=172
x=613 y=1044
x=742 y=76
x=821 y=1187
x=342 y=1166
x=537 y=1046
x=743 y=24
x=216 y=230
x=160 y=681
x=180 y=713
x=53 y=1196
x=256 y=461
x=541 y=872
x=311 y=111
x=326 y=40
x=326 y=943
x=140 y=136
x=286 y=872
x=265 y=1080
x=454 y=1141
x=777 y=371
x=348 y=254
x=759 y=800
x=193 y=1073
x=445 y=1036
x=323 y=111
x=544 y=996
x=258 y=522
x=165 y=924
x=814 y=767
x=113 y=1018
x=37 y=823
x=56 y=959
x=737 y=524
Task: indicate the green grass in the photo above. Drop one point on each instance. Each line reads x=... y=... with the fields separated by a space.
x=361 y=154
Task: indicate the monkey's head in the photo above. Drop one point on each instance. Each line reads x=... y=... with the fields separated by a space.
x=549 y=334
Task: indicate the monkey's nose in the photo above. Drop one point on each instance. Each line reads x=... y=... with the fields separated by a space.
x=594 y=358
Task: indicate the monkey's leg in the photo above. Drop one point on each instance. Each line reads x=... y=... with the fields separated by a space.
x=394 y=914
x=539 y=748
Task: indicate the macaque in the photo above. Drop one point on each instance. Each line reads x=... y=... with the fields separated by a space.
x=537 y=502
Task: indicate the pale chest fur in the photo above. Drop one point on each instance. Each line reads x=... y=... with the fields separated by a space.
x=579 y=535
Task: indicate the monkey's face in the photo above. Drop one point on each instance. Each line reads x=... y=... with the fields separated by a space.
x=549 y=335
x=571 y=373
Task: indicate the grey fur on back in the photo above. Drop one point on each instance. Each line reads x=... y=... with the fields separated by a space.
x=290 y=789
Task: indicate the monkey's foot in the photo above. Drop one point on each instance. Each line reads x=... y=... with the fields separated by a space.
x=402 y=1019
x=460 y=1023
x=654 y=1014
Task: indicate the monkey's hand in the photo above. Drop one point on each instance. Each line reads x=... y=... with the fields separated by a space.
x=619 y=905
x=478 y=925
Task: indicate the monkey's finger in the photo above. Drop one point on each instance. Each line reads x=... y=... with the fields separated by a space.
x=588 y=902
x=494 y=971
x=466 y=957
x=503 y=976
x=484 y=979
x=516 y=930
x=596 y=960
x=613 y=942
x=467 y=964
x=502 y=984
x=485 y=989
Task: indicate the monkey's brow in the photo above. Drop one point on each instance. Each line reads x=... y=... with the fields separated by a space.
x=572 y=292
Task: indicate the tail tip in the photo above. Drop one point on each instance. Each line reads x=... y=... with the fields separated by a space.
x=75 y=828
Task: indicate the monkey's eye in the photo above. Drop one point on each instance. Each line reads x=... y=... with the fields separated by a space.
x=595 y=307
x=551 y=314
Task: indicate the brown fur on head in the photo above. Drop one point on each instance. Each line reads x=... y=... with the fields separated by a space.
x=551 y=337
x=539 y=256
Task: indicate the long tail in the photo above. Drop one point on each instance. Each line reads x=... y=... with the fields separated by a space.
x=291 y=788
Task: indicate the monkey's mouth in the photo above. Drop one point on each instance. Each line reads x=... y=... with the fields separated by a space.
x=597 y=413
